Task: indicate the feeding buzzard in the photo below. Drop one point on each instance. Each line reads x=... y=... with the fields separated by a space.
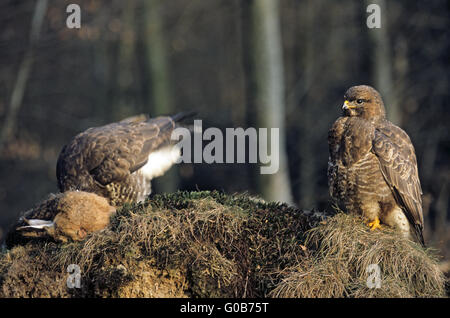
x=117 y=161
x=372 y=168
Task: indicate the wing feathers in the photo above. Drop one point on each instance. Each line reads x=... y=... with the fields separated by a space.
x=112 y=152
x=398 y=163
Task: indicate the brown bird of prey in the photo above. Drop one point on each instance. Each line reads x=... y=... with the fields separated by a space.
x=69 y=215
x=372 y=167
x=117 y=161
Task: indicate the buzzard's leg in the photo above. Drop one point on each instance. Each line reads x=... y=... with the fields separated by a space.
x=375 y=224
x=371 y=212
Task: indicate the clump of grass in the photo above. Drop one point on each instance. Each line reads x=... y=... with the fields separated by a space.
x=342 y=251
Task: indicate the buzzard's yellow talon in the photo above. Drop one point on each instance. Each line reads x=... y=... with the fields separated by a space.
x=375 y=224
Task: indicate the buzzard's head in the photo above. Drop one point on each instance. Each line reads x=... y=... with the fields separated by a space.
x=363 y=101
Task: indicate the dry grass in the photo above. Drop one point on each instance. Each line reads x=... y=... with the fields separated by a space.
x=342 y=250
x=208 y=244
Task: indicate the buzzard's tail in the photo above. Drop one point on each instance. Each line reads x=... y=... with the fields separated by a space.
x=418 y=230
x=135 y=119
x=145 y=117
x=183 y=115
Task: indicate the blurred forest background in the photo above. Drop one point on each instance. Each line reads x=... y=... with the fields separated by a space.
x=238 y=63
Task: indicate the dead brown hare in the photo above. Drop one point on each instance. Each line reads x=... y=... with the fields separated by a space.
x=66 y=216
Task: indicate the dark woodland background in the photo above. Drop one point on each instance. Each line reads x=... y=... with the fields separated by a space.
x=238 y=63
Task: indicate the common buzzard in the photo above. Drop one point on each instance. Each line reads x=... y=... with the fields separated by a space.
x=117 y=161
x=372 y=167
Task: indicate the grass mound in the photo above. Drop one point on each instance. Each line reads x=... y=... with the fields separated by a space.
x=209 y=244
x=348 y=260
x=200 y=244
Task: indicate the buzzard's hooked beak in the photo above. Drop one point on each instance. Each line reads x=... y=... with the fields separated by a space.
x=347 y=105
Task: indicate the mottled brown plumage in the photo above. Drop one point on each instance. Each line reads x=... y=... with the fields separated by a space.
x=372 y=168
x=65 y=216
x=113 y=160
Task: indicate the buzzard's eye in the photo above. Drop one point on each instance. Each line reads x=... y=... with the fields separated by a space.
x=359 y=101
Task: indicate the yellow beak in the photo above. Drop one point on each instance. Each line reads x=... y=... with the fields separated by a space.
x=347 y=105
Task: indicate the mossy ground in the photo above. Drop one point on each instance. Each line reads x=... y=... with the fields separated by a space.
x=209 y=244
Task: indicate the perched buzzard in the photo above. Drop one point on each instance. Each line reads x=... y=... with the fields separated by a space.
x=69 y=215
x=117 y=161
x=372 y=168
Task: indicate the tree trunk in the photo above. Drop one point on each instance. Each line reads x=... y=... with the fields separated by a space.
x=382 y=64
x=158 y=73
x=266 y=76
x=23 y=73
x=126 y=104
x=306 y=137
